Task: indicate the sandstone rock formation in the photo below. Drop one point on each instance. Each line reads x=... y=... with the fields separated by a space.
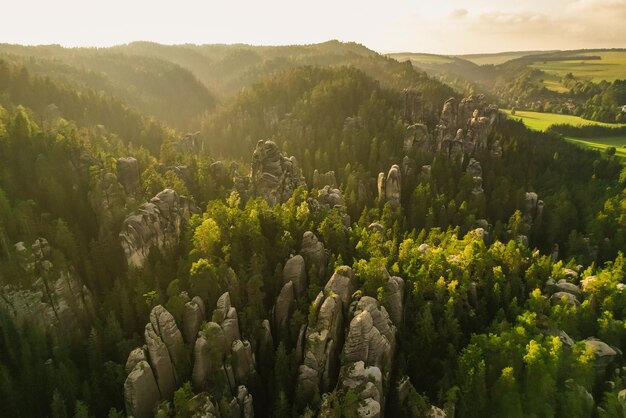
x=156 y=223
x=50 y=296
x=314 y=253
x=141 y=394
x=274 y=177
x=193 y=316
x=464 y=126
x=324 y=336
x=476 y=170
x=389 y=187
x=417 y=137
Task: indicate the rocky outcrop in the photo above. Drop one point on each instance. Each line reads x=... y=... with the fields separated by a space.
x=295 y=272
x=128 y=174
x=193 y=316
x=394 y=298
x=389 y=187
x=155 y=224
x=141 y=394
x=476 y=170
x=283 y=309
x=274 y=177
x=371 y=336
x=367 y=382
x=464 y=126
x=417 y=137
x=603 y=353
x=330 y=197
x=314 y=253
x=50 y=296
x=324 y=336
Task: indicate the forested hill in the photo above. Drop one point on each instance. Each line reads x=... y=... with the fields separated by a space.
x=347 y=238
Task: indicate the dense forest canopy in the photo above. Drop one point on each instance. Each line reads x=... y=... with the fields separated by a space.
x=319 y=230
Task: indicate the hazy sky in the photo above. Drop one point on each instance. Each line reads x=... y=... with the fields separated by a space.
x=439 y=26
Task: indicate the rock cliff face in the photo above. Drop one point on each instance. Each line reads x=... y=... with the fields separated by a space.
x=156 y=223
x=464 y=126
x=220 y=356
x=273 y=177
x=314 y=253
x=324 y=336
x=107 y=198
x=53 y=298
x=389 y=187
x=368 y=355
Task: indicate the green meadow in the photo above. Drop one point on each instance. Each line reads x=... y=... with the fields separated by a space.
x=541 y=121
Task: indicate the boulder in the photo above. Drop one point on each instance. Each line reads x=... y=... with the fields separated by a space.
x=135 y=356
x=564 y=298
x=603 y=353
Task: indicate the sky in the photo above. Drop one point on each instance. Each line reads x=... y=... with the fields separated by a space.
x=435 y=26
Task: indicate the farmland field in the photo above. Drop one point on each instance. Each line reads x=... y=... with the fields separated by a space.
x=610 y=67
x=541 y=121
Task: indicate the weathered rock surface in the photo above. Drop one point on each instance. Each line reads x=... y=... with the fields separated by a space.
x=394 y=293
x=274 y=177
x=156 y=223
x=141 y=394
x=295 y=272
x=314 y=253
x=464 y=127
x=389 y=187
x=193 y=316
x=284 y=308
x=417 y=137
x=367 y=381
x=330 y=197
x=50 y=296
x=604 y=354
x=342 y=283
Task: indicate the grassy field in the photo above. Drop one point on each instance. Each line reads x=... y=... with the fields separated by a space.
x=541 y=122
x=611 y=67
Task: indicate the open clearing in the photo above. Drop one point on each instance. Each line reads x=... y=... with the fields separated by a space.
x=541 y=121
x=611 y=66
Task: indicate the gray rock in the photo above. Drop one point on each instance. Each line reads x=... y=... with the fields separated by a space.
x=343 y=283
x=242 y=361
x=165 y=326
x=393 y=185
x=274 y=177
x=564 y=297
x=135 y=356
x=330 y=197
x=314 y=253
x=394 y=298
x=563 y=286
x=161 y=363
x=193 y=316
x=604 y=354
x=284 y=308
x=141 y=394
x=155 y=224
x=295 y=272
